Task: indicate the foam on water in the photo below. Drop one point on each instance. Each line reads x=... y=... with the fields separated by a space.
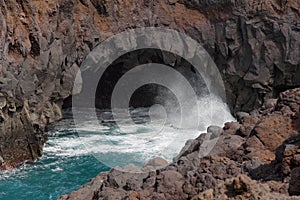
x=68 y=160
x=143 y=141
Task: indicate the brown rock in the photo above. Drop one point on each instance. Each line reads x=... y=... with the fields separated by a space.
x=87 y=191
x=170 y=184
x=268 y=135
x=43 y=45
x=289 y=102
x=247 y=126
x=156 y=163
x=130 y=177
x=231 y=128
x=270 y=104
x=243 y=188
x=229 y=146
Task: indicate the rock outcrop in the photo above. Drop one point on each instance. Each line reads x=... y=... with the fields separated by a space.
x=254 y=43
x=242 y=165
x=241 y=187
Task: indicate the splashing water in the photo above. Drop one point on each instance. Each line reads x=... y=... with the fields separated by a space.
x=67 y=162
x=69 y=158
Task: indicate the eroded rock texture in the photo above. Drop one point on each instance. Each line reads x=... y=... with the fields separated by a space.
x=254 y=43
x=242 y=165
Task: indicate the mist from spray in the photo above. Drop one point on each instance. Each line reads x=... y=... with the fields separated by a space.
x=208 y=110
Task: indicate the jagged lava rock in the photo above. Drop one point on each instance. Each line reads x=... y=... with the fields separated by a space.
x=252 y=165
x=43 y=43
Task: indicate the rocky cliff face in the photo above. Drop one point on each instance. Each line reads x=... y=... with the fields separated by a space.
x=254 y=43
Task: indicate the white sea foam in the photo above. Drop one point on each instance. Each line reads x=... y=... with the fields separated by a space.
x=142 y=142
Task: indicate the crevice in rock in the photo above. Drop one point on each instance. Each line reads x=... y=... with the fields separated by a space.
x=35 y=47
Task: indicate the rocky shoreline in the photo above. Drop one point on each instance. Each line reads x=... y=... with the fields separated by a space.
x=255 y=45
x=257 y=157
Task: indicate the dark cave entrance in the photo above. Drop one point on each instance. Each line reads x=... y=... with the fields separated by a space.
x=148 y=94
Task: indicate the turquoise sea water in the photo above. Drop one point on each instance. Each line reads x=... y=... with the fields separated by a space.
x=68 y=163
x=73 y=156
x=49 y=177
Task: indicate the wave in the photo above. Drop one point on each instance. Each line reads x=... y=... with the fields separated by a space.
x=139 y=142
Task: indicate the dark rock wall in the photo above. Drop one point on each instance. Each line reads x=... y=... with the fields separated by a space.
x=254 y=43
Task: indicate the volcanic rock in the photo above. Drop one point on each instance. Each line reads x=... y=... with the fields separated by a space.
x=156 y=163
x=255 y=45
x=242 y=188
x=262 y=163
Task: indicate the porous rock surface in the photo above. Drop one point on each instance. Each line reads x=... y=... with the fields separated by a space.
x=255 y=44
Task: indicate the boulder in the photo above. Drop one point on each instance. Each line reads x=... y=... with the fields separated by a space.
x=214 y=131
x=170 y=184
x=231 y=128
x=270 y=104
x=240 y=116
x=268 y=134
x=156 y=163
x=129 y=177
